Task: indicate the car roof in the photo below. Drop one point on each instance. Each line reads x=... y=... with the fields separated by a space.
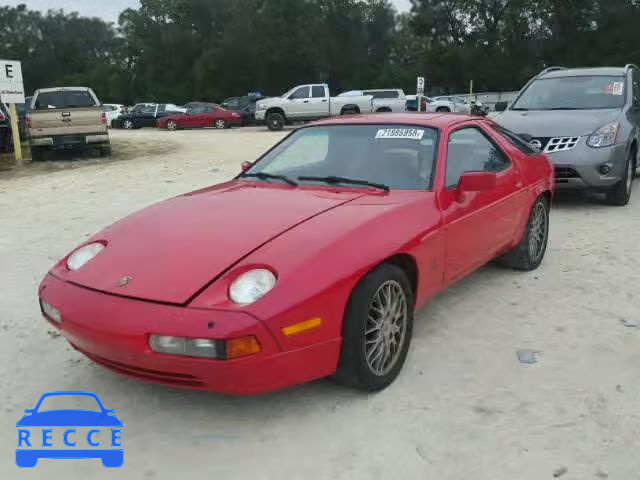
x=62 y=89
x=581 y=72
x=435 y=120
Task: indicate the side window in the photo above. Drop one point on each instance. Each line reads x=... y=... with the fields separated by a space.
x=147 y=110
x=318 y=92
x=302 y=92
x=209 y=109
x=516 y=141
x=469 y=150
x=232 y=103
x=197 y=110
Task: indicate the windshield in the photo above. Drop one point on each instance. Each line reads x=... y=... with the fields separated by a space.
x=397 y=156
x=573 y=93
x=65 y=99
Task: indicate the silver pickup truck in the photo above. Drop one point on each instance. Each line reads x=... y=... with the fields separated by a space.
x=309 y=102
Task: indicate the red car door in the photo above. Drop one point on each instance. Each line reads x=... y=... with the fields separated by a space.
x=477 y=224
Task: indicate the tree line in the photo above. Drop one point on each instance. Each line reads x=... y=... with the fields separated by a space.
x=183 y=50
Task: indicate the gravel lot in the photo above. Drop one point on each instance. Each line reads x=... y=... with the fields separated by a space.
x=463 y=408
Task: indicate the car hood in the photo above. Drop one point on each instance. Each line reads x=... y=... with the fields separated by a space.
x=69 y=418
x=169 y=251
x=556 y=123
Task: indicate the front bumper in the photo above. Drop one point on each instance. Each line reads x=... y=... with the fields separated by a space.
x=114 y=331
x=260 y=115
x=69 y=140
x=581 y=165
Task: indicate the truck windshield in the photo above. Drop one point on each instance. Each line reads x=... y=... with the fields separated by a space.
x=65 y=99
x=573 y=93
x=396 y=156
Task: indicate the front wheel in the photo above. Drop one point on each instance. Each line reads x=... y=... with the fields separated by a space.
x=128 y=125
x=172 y=125
x=377 y=329
x=220 y=124
x=530 y=251
x=275 y=122
x=620 y=193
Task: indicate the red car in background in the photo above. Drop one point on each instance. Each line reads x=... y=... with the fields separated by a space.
x=311 y=262
x=200 y=116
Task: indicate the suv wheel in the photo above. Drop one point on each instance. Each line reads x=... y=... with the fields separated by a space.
x=128 y=125
x=620 y=193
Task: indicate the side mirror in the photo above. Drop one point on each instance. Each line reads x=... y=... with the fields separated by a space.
x=244 y=166
x=501 y=106
x=477 y=181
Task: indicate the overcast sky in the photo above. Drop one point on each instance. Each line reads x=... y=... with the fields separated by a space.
x=110 y=9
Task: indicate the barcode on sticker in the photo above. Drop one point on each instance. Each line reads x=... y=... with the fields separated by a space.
x=410 y=133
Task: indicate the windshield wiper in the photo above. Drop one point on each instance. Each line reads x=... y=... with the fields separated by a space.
x=269 y=176
x=332 y=180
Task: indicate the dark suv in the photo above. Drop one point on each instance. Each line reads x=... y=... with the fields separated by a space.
x=587 y=120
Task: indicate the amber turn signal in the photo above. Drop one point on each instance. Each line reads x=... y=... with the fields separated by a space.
x=297 y=328
x=241 y=347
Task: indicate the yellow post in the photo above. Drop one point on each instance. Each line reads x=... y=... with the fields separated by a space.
x=17 y=146
x=470 y=96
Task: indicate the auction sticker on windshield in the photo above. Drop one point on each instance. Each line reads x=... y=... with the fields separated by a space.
x=410 y=133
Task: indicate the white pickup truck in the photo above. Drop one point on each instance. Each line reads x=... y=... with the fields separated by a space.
x=308 y=102
x=384 y=99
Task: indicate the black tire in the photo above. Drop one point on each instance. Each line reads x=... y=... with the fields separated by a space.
x=522 y=257
x=383 y=110
x=349 y=111
x=620 y=194
x=443 y=109
x=105 y=151
x=37 y=154
x=353 y=369
x=275 y=121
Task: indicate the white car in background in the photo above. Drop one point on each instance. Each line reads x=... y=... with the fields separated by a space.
x=113 y=111
x=452 y=103
x=384 y=99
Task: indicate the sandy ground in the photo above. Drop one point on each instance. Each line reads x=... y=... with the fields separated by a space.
x=463 y=407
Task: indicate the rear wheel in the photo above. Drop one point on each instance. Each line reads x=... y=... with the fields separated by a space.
x=220 y=123
x=275 y=122
x=530 y=251
x=377 y=329
x=128 y=125
x=443 y=109
x=620 y=193
x=172 y=125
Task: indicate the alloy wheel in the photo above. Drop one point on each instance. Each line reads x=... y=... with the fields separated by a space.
x=538 y=231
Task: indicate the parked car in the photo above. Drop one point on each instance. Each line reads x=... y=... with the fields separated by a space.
x=384 y=100
x=146 y=115
x=205 y=115
x=308 y=102
x=588 y=121
x=113 y=111
x=412 y=103
x=66 y=117
x=311 y=262
x=245 y=106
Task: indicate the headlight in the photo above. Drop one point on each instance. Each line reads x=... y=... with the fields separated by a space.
x=251 y=286
x=261 y=106
x=82 y=255
x=605 y=136
x=50 y=311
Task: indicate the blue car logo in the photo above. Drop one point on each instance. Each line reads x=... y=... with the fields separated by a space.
x=59 y=433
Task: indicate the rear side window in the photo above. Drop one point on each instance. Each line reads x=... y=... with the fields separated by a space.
x=64 y=99
x=384 y=94
x=517 y=141
x=317 y=92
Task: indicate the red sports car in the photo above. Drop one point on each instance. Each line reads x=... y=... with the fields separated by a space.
x=202 y=115
x=311 y=262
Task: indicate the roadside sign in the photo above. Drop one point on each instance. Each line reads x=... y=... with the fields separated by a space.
x=11 y=85
x=420 y=86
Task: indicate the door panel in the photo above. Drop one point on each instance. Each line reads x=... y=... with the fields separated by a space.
x=478 y=224
x=299 y=103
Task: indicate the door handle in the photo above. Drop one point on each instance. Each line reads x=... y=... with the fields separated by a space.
x=324 y=101
x=306 y=101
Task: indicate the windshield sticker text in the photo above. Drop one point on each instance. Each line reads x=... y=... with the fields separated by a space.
x=410 y=133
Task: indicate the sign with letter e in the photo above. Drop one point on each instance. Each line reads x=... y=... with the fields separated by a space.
x=11 y=85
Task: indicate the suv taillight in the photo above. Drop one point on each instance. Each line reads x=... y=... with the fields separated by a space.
x=103 y=118
x=27 y=121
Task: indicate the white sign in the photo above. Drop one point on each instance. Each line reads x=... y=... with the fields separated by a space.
x=420 y=86
x=11 y=85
